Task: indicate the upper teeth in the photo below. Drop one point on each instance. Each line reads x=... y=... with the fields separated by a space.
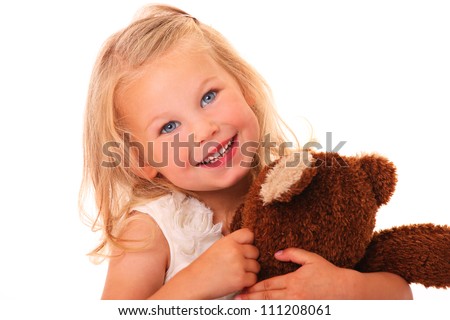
x=213 y=158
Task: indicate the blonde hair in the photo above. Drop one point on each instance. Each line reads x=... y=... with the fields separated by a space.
x=154 y=30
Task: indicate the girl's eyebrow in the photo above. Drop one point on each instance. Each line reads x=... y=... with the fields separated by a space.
x=154 y=116
x=206 y=81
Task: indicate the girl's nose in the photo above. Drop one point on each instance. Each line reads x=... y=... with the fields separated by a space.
x=205 y=129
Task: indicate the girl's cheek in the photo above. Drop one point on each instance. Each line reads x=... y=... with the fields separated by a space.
x=156 y=150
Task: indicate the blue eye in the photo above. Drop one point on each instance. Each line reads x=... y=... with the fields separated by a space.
x=170 y=126
x=208 y=98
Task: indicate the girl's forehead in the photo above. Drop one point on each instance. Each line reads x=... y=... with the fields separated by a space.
x=173 y=61
x=187 y=59
x=182 y=70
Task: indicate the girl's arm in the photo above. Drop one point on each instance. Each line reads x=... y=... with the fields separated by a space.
x=227 y=266
x=138 y=275
x=319 y=279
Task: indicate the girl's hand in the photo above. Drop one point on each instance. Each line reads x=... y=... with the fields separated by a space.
x=229 y=265
x=319 y=279
x=315 y=279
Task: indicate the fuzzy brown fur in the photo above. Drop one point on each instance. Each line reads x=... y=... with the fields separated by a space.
x=331 y=211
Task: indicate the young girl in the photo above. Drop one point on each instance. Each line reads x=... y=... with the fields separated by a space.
x=172 y=126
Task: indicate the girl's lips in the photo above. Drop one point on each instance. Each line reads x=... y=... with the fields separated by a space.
x=221 y=154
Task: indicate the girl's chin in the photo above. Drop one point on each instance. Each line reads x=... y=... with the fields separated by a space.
x=228 y=181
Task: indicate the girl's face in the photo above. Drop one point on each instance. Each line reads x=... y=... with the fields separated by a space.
x=192 y=120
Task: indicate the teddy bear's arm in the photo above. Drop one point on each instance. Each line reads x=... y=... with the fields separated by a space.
x=418 y=253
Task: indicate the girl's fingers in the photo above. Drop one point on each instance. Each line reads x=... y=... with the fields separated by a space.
x=250 y=251
x=242 y=236
x=262 y=295
x=250 y=279
x=296 y=255
x=252 y=266
x=271 y=284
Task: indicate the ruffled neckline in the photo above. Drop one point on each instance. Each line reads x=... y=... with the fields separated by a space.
x=194 y=220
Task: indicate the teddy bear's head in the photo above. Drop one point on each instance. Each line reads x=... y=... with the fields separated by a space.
x=321 y=202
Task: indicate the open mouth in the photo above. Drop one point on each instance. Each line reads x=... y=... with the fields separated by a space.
x=212 y=158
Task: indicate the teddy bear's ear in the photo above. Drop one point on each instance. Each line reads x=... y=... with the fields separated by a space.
x=382 y=175
x=289 y=176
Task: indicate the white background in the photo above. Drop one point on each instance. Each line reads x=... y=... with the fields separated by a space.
x=376 y=74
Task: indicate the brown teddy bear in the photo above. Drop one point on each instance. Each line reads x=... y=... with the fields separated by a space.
x=326 y=203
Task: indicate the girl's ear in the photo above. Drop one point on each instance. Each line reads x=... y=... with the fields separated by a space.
x=249 y=99
x=146 y=172
x=139 y=166
x=149 y=172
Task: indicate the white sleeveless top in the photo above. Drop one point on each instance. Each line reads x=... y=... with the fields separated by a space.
x=187 y=225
